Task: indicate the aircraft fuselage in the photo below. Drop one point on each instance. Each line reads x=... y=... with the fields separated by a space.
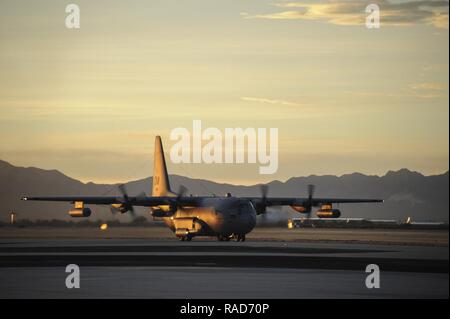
x=224 y=217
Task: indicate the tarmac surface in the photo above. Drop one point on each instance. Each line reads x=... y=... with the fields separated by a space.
x=137 y=268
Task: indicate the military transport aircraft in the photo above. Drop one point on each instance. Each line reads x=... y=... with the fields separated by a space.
x=225 y=217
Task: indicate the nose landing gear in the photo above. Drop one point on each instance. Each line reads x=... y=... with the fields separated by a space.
x=186 y=238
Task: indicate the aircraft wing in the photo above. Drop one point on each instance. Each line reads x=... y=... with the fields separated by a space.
x=293 y=201
x=319 y=201
x=164 y=200
x=146 y=201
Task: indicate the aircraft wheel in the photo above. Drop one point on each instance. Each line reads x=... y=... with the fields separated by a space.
x=188 y=238
x=243 y=238
x=182 y=238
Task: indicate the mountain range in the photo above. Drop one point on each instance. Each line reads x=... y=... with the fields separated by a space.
x=406 y=193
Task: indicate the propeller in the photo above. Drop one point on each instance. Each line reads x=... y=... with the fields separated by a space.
x=181 y=191
x=261 y=208
x=176 y=203
x=264 y=190
x=309 y=203
x=126 y=203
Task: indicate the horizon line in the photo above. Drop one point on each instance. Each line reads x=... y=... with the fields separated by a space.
x=222 y=182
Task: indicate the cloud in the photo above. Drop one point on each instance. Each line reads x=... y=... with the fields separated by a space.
x=426 y=90
x=429 y=89
x=269 y=101
x=430 y=86
x=78 y=154
x=352 y=12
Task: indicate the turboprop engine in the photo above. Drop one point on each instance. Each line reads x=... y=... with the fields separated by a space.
x=80 y=212
x=327 y=211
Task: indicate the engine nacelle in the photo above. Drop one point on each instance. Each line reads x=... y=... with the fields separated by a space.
x=80 y=212
x=328 y=213
x=161 y=213
x=300 y=209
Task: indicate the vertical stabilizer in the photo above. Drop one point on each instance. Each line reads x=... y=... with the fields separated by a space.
x=161 y=186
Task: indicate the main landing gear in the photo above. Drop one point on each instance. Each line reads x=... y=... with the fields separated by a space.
x=224 y=237
x=186 y=238
x=238 y=237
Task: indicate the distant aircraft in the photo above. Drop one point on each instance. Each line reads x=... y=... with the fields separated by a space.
x=225 y=217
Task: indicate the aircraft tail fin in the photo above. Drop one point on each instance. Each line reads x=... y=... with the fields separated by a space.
x=161 y=185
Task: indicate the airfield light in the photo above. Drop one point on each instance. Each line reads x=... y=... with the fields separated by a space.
x=104 y=226
x=13 y=218
x=290 y=224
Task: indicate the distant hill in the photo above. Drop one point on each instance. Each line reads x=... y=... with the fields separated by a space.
x=407 y=193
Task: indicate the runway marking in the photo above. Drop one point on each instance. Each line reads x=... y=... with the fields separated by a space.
x=259 y=261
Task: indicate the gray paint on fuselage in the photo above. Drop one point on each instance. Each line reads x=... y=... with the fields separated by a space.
x=218 y=216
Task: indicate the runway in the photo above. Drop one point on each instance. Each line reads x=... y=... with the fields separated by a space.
x=125 y=268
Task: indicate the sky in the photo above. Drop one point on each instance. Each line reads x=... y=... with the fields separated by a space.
x=90 y=101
